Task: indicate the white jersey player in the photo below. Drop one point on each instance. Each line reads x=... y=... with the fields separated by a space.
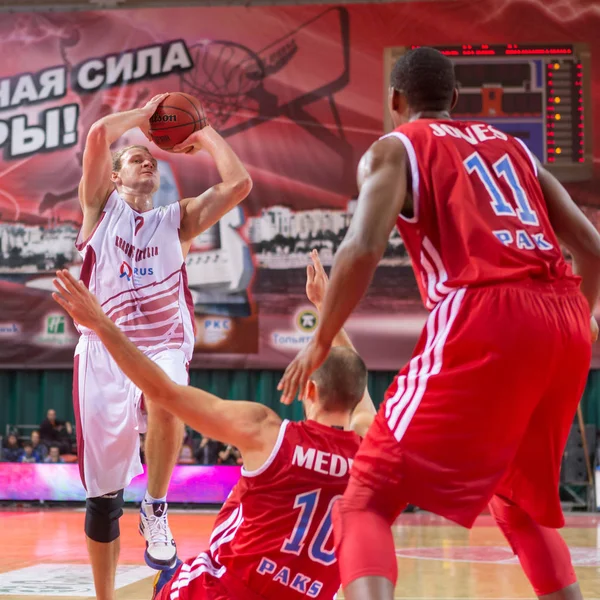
x=134 y=262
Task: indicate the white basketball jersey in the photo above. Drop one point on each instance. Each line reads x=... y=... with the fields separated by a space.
x=134 y=264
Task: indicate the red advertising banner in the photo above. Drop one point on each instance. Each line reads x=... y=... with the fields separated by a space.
x=299 y=93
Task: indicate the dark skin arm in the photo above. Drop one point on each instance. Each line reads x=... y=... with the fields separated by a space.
x=383 y=187
x=576 y=233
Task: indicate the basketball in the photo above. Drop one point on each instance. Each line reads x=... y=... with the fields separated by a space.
x=175 y=119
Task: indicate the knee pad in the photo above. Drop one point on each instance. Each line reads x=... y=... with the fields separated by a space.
x=102 y=516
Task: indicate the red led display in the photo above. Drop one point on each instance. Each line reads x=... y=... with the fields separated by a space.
x=505 y=50
x=560 y=108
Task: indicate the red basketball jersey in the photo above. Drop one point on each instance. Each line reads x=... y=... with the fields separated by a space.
x=479 y=213
x=274 y=535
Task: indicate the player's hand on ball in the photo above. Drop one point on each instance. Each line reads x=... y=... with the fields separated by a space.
x=77 y=300
x=199 y=140
x=150 y=107
x=147 y=111
x=308 y=360
x=316 y=280
x=594 y=328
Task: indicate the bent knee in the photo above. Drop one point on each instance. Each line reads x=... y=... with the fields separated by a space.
x=102 y=515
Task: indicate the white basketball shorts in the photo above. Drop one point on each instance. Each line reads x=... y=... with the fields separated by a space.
x=109 y=415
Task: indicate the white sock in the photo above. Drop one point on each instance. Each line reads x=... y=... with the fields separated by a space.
x=148 y=499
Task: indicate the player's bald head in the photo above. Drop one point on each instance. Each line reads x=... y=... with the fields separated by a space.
x=341 y=380
x=426 y=78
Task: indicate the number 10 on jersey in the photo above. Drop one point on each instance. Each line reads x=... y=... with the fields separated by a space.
x=307 y=503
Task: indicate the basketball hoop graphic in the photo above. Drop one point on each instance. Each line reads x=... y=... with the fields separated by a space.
x=241 y=88
x=224 y=74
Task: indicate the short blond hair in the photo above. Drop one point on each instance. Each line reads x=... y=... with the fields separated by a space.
x=117 y=157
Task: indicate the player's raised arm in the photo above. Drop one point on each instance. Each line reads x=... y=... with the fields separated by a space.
x=316 y=286
x=383 y=187
x=575 y=231
x=250 y=426
x=203 y=211
x=95 y=184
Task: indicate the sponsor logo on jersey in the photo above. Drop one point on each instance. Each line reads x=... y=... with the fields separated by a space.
x=131 y=251
x=127 y=271
x=305 y=323
x=297 y=581
x=523 y=240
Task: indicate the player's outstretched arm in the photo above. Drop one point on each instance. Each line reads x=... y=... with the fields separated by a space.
x=316 y=286
x=95 y=184
x=201 y=212
x=383 y=186
x=250 y=426
x=576 y=232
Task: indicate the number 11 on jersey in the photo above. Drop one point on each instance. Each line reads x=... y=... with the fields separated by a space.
x=503 y=168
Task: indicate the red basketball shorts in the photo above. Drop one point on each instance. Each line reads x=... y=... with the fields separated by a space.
x=200 y=578
x=484 y=406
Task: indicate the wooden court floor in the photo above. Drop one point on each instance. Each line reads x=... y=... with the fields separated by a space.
x=43 y=555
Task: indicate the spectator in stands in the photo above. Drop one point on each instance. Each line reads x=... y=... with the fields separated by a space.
x=40 y=451
x=54 y=456
x=229 y=456
x=239 y=461
x=143 y=448
x=56 y=433
x=28 y=455
x=186 y=454
x=208 y=451
x=11 y=449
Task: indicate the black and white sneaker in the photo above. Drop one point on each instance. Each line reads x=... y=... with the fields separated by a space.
x=161 y=551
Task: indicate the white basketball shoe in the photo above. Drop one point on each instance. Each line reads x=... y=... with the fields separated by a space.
x=161 y=551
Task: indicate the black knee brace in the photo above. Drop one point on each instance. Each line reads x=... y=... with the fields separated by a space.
x=102 y=516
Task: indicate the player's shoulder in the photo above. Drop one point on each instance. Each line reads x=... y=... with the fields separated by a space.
x=389 y=149
x=170 y=212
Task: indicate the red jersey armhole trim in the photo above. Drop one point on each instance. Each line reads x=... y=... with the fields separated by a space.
x=529 y=154
x=414 y=173
x=81 y=245
x=273 y=454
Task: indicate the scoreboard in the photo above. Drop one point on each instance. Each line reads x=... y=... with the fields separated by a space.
x=539 y=93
